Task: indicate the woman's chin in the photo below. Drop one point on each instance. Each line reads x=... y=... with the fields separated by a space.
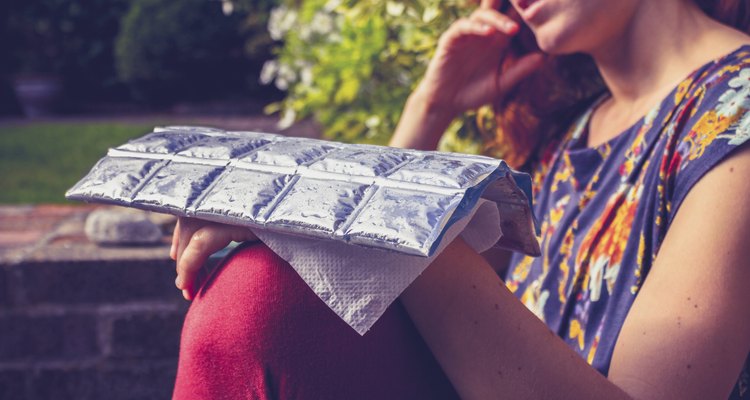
x=552 y=47
x=557 y=43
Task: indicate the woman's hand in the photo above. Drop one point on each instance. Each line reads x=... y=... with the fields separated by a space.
x=471 y=67
x=194 y=240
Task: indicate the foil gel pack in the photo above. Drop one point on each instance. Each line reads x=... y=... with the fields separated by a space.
x=374 y=196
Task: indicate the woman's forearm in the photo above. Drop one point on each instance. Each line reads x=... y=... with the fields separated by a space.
x=487 y=342
x=422 y=123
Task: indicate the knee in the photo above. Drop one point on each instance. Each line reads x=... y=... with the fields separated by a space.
x=251 y=273
x=245 y=304
x=247 y=288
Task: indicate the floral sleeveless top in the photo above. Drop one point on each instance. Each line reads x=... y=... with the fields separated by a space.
x=605 y=210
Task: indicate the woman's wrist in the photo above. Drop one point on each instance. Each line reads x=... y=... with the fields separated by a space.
x=422 y=122
x=431 y=102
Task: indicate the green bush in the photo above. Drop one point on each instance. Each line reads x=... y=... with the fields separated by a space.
x=352 y=64
x=187 y=49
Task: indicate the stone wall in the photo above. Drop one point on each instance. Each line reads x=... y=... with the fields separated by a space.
x=89 y=330
x=82 y=322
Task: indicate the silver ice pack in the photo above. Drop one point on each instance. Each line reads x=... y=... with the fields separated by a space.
x=375 y=196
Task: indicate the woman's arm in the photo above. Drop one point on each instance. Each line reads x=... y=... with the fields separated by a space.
x=689 y=328
x=487 y=342
x=685 y=337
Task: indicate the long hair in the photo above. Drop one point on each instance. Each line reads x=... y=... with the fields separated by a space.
x=540 y=110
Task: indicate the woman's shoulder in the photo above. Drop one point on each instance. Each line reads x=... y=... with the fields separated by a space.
x=712 y=120
x=715 y=105
x=716 y=85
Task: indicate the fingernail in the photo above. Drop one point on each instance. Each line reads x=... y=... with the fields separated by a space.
x=509 y=25
x=186 y=294
x=178 y=282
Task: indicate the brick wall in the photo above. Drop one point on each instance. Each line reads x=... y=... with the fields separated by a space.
x=89 y=329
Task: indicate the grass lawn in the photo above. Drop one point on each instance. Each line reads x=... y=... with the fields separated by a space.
x=40 y=161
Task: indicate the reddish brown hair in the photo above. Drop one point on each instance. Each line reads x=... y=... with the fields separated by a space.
x=541 y=109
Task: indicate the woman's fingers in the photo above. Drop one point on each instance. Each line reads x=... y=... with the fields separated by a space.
x=461 y=29
x=467 y=27
x=482 y=23
x=204 y=241
x=202 y=244
x=501 y=22
x=188 y=226
x=175 y=241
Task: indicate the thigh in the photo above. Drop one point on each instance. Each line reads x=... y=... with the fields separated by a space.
x=256 y=330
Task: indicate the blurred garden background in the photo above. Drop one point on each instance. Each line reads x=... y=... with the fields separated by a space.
x=84 y=321
x=79 y=76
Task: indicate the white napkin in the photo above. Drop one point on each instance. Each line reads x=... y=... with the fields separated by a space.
x=359 y=283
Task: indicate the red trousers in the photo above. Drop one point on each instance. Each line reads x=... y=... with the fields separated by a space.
x=256 y=331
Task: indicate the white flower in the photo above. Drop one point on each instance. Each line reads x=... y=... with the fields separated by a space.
x=306 y=75
x=733 y=101
x=742 y=81
x=281 y=20
x=372 y=122
x=322 y=23
x=287 y=118
x=270 y=68
x=394 y=9
x=403 y=78
x=274 y=22
x=285 y=77
x=305 y=32
x=227 y=7
x=429 y=14
x=334 y=37
x=282 y=84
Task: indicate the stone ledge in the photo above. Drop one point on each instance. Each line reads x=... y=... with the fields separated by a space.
x=90 y=282
x=54 y=233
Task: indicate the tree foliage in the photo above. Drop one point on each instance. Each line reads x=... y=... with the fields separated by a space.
x=352 y=64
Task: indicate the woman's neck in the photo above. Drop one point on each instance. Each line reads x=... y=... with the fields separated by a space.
x=664 y=43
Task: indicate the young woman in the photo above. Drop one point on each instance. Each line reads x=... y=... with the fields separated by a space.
x=641 y=291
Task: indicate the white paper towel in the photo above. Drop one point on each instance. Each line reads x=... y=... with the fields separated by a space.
x=359 y=283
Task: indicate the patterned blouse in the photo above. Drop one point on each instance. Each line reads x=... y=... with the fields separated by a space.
x=605 y=210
